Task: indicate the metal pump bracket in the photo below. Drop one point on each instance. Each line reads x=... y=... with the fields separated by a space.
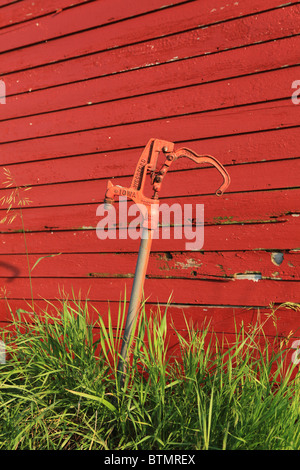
x=149 y=208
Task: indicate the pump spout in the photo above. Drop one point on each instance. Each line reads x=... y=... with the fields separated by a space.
x=109 y=198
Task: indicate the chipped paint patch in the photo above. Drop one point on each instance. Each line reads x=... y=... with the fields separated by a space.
x=276 y=276
x=189 y=263
x=277 y=258
x=255 y=277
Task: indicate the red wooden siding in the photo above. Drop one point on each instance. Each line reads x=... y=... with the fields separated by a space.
x=88 y=83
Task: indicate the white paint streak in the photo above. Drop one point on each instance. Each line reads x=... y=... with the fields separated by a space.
x=255 y=277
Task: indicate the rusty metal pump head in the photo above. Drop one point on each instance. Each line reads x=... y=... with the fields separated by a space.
x=147 y=166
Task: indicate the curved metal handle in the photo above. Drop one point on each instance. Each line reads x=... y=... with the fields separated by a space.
x=184 y=152
x=207 y=159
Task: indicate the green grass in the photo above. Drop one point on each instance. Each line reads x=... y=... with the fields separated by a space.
x=58 y=388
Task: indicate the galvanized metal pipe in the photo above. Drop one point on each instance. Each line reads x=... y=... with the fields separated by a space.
x=135 y=300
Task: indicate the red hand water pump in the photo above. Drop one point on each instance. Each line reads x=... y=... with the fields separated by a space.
x=149 y=210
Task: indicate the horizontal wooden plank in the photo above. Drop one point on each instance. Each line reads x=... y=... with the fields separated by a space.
x=166 y=265
x=222 y=264
x=26 y=10
x=252 y=118
x=281 y=174
x=256 y=147
x=67 y=19
x=186 y=100
x=94 y=14
x=220 y=318
x=206 y=96
x=143 y=77
x=249 y=207
x=200 y=292
x=282 y=234
x=221 y=36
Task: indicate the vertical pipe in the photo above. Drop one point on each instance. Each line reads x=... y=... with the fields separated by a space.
x=135 y=299
x=2 y=353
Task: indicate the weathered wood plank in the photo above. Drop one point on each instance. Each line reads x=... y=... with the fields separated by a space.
x=185 y=100
x=252 y=118
x=170 y=43
x=142 y=76
x=67 y=18
x=95 y=14
x=102 y=93
x=246 y=207
x=282 y=234
x=253 y=147
x=280 y=174
x=200 y=292
x=165 y=265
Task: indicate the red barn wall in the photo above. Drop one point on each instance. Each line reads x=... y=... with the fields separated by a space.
x=88 y=83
